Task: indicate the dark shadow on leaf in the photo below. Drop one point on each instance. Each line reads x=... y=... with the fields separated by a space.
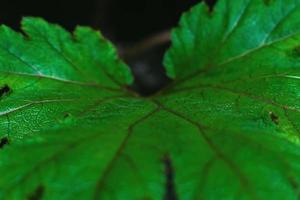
x=268 y=2
x=295 y=53
x=37 y=194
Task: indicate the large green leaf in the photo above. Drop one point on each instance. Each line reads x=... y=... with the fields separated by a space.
x=227 y=127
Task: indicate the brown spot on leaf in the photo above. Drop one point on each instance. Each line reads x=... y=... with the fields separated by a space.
x=274 y=118
x=3 y=142
x=4 y=90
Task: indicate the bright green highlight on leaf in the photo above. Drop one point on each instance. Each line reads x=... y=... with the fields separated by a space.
x=227 y=128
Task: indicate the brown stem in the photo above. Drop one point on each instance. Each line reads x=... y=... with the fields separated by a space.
x=146 y=44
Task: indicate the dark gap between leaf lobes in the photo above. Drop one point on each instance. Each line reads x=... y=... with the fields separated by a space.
x=170 y=191
x=145 y=59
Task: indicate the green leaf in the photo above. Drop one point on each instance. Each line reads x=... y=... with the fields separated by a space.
x=51 y=73
x=227 y=127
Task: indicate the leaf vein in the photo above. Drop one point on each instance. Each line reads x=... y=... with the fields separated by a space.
x=242 y=178
x=109 y=167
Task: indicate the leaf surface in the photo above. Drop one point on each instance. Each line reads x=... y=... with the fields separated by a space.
x=226 y=128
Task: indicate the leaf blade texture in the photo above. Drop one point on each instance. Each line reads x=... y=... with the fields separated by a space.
x=226 y=128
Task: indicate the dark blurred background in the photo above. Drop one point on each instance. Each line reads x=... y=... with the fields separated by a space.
x=125 y=22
